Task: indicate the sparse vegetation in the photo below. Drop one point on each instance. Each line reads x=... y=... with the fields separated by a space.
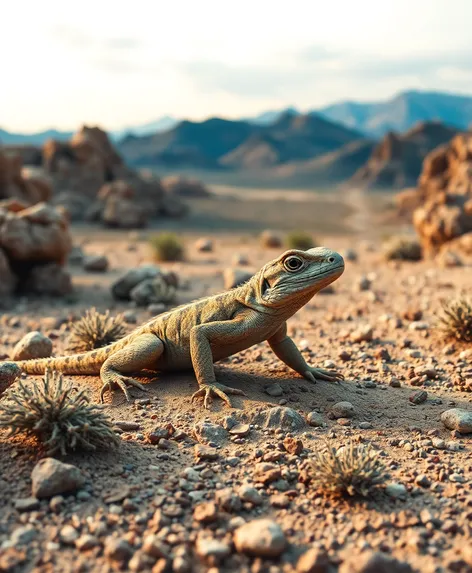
x=57 y=414
x=402 y=249
x=351 y=469
x=167 y=247
x=455 y=319
x=95 y=330
x=300 y=240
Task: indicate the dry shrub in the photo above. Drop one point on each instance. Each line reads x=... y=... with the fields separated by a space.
x=167 y=247
x=402 y=249
x=455 y=319
x=57 y=414
x=300 y=240
x=352 y=469
x=95 y=330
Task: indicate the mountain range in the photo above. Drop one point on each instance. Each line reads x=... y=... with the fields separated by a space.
x=374 y=119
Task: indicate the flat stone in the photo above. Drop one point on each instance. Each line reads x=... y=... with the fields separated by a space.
x=458 y=419
x=260 y=538
x=280 y=417
x=274 y=390
x=342 y=410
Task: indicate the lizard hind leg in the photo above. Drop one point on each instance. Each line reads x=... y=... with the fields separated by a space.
x=142 y=353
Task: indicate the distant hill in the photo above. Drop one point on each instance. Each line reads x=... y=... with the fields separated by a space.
x=402 y=112
x=330 y=168
x=396 y=161
x=162 y=124
x=293 y=137
x=195 y=144
x=7 y=138
x=218 y=143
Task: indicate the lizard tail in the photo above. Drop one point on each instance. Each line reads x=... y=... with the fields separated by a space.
x=82 y=364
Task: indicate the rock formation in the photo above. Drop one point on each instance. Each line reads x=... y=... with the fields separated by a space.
x=88 y=178
x=34 y=245
x=396 y=161
x=445 y=193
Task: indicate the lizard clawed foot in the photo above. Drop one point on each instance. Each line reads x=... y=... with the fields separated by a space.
x=121 y=381
x=220 y=390
x=321 y=374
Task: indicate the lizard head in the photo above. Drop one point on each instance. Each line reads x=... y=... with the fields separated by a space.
x=295 y=277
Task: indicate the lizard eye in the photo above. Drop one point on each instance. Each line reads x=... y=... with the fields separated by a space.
x=293 y=263
x=331 y=260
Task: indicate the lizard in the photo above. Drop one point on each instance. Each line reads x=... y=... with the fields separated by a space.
x=200 y=333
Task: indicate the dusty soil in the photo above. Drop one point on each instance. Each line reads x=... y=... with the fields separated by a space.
x=155 y=492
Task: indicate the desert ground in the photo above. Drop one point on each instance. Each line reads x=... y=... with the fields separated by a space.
x=179 y=504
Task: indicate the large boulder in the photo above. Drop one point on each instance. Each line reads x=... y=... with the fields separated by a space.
x=445 y=190
x=34 y=245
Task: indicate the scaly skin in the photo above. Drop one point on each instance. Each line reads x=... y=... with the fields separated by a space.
x=198 y=334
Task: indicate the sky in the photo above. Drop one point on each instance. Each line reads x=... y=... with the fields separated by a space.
x=118 y=64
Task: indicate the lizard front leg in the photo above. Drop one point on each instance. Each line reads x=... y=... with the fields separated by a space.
x=140 y=354
x=201 y=339
x=284 y=347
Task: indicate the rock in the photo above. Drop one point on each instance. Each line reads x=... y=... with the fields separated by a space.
x=280 y=417
x=350 y=255
x=154 y=547
x=204 y=245
x=458 y=419
x=228 y=500
x=26 y=504
x=396 y=490
x=293 y=446
x=374 y=562
x=240 y=430
x=68 y=535
x=418 y=397
x=86 y=542
x=315 y=419
x=211 y=550
x=185 y=187
x=33 y=345
x=23 y=535
x=422 y=480
x=342 y=410
x=266 y=473
x=250 y=494
x=51 y=477
x=9 y=372
x=449 y=259
x=234 y=277
x=314 y=560
x=98 y=263
x=260 y=538
x=206 y=512
x=118 y=549
x=122 y=287
x=35 y=235
x=445 y=211
x=50 y=279
x=271 y=239
x=363 y=334
x=153 y=291
x=274 y=390
x=239 y=259
x=9 y=280
x=203 y=453
x=364 y=283
x=208 y=432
